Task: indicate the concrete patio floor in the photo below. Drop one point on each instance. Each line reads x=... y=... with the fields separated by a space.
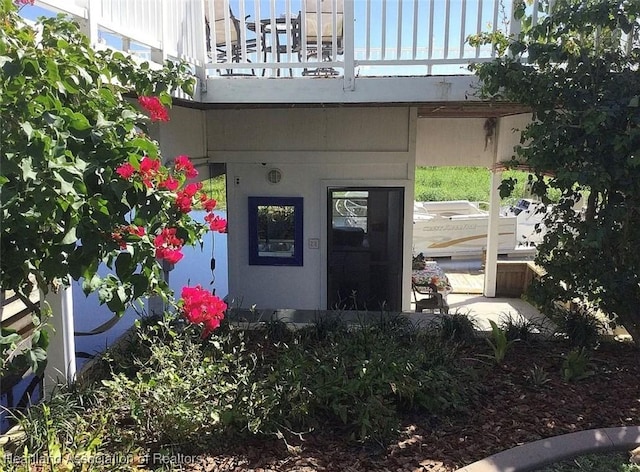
x=483 y=309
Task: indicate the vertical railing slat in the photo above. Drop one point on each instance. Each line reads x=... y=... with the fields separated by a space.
x=430 y=33
x=463 y=27
x=288 y=32
x=399 y=45
x=348 y=43
x=383 y=36
x=479 y=27
x=447 y=22
x=496 y=6
x=367 y=46
x=414 y=51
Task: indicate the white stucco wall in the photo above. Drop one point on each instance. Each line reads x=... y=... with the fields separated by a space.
x=453 y=142
x=184 y=133
x=313 y=148
x=466 y=141
x=509 y=135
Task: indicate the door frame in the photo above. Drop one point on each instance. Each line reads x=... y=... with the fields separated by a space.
x=407 y=244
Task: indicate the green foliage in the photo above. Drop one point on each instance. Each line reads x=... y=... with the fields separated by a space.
x=579 y=325
x=57 y=434
x=188 y=393
x=577 y=70
x=468 y=183
x=538 y=376
x=67 y=125
x=517 y=327
x=216 y=188
x=575 y=365
x=499 y=342
x=457 y=327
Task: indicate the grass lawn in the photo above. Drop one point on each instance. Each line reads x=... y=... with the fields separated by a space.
x=465 y=183
x=431 y=184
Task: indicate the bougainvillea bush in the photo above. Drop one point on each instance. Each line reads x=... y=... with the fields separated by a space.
x=82 y=184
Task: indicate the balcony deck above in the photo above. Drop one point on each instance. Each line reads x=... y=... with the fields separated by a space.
x=322 y=52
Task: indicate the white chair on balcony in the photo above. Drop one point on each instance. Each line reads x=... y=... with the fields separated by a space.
x=317 y=22
x=217 y=44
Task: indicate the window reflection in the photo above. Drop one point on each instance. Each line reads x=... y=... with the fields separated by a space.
x=276 y=230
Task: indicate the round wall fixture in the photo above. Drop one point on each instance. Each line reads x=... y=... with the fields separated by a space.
x=274 y=176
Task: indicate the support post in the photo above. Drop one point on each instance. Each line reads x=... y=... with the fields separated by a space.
x=491 y=262
x=61 y=364
x=349 y=57
x=156 y=304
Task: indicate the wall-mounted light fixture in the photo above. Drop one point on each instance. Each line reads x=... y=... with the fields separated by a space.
x=274 y=176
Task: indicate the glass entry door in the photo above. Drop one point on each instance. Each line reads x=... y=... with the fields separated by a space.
x=364 y=248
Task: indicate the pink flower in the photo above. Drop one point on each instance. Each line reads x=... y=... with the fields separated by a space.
x=156 y=110
x=201 y=307
x=184 y=164
x=137 y=230
x=184 y=198
x=183 y=202
x=126 y=171
x=216 y=223
x=149 y=170
x=170 y=183
x=168 y=246
x=192 y=189
x=209 y=204
x=149 y=165
x=172 y=256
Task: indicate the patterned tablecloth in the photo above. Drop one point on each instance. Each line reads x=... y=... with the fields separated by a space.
x=432 y=273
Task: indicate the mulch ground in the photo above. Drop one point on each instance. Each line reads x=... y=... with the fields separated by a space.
x=509 y=410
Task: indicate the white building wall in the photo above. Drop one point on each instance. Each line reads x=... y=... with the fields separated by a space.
x=316 y=147
x=354 y=146
x=184 y=133
x=509 y=137
x=454 y=142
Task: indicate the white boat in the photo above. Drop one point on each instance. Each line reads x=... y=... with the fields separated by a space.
x=458 y=228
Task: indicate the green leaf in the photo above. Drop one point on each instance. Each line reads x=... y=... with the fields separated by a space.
x=9 y=337
x=27 y=169
x=117 y=303
x=28 y=129
x=140 y=285
x=70 y=237
x=79 y=122
x=92 y=284
x=124 y=265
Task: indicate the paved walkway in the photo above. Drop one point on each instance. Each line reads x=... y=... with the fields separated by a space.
x=537 y=454
x=483 y=309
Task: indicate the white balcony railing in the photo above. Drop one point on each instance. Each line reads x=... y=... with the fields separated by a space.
x=361 y=37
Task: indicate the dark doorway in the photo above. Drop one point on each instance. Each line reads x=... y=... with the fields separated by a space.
x=364 y=248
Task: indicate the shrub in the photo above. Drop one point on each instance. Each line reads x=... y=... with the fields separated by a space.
x=575 y=365
x=457 y=327
x=519 y=328
x=356 y=382
x=579 y=325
